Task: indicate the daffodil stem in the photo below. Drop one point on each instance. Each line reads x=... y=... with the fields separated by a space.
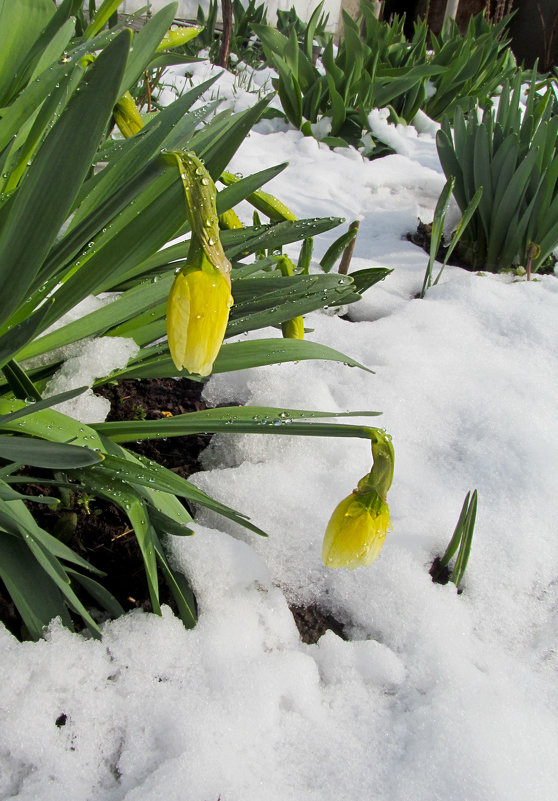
x=195 y=253
x=381 y=475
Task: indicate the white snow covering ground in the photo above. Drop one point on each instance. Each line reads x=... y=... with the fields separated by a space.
x=435 y=695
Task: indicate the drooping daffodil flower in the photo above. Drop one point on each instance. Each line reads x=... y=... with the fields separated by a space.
x=197 y=315
x=358 y=526
x=200 y=298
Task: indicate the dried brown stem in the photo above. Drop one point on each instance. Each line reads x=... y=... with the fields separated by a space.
x=227 y=12
x=548 y=38
x=345 y=262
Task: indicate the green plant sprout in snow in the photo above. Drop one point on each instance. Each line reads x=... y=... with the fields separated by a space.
x=437 y=230
x=462 y=539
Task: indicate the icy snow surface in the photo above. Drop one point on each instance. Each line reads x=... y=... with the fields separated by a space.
x=436 y=695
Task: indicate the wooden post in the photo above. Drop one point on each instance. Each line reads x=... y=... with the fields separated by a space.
x=227 y=12
x=348 y=252
x=451 y=10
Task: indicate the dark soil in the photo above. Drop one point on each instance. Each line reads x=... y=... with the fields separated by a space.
x=152 y=399
x=423 y=235
x=100 y=532
x=312 y=623
x=440 y=575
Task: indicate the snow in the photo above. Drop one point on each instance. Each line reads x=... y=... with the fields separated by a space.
x=84 y=362
x=435 y=696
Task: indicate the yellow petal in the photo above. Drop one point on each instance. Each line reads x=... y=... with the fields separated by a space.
x=293 y=329
x=229 y=220
x=355 y=533
x=197 y=315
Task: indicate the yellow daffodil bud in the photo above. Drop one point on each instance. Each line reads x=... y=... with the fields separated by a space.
x=292 y=329
x=269 y=205
x=229 y=221
x=179 y=35
x=197 y=315
x=359 y=524
x=200 y=298
x=356 y=531
x=127 y=116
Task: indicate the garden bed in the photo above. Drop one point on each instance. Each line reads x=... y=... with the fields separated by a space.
x=300 y=681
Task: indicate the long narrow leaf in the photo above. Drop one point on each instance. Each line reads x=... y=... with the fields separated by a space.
x=271 y=237
x=40 y=453
x=35 y=596
x=36 y=406
x=179 y=587
x=466 y=540
x=123 y=495
x=54 y=177
x=238 y=419
x=240 y=356
x=18 y=336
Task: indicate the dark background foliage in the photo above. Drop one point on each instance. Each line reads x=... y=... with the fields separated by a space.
x=534 y=27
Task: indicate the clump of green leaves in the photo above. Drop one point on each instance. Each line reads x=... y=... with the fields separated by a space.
x=375 y=66
x=474 y=65
x=289 y=20
x=375 y=70
x=512 y=153
x=82 y=213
